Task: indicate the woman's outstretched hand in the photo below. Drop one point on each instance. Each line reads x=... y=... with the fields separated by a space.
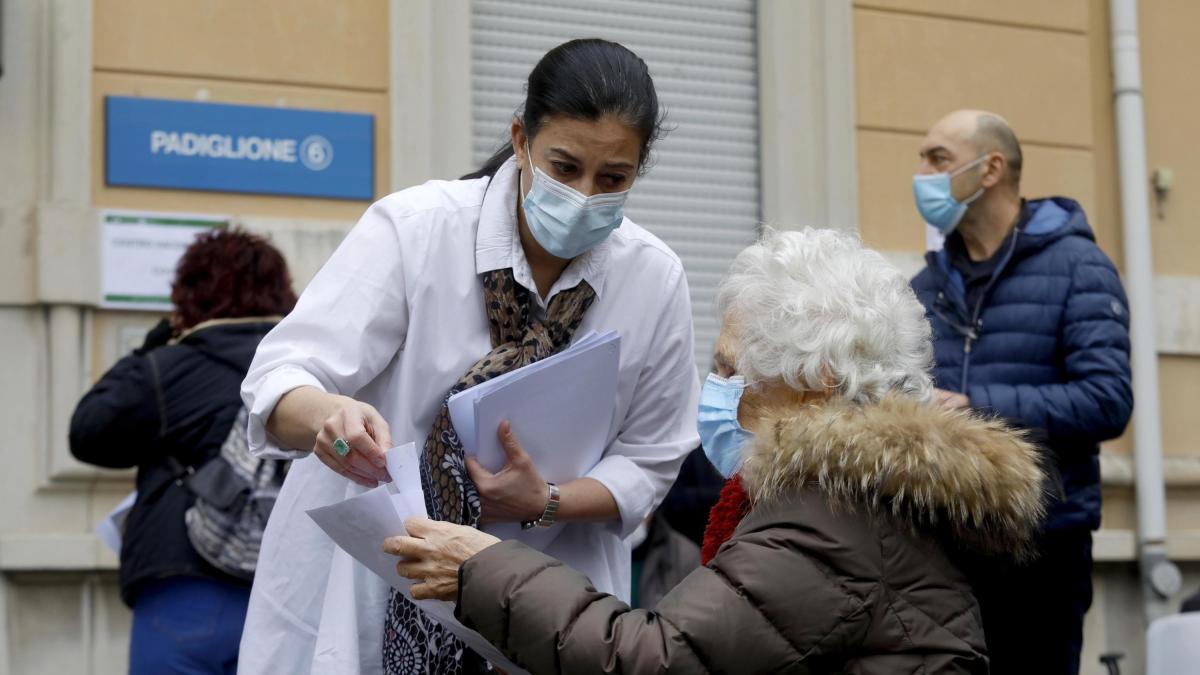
x=364 y=438
x=307 y=417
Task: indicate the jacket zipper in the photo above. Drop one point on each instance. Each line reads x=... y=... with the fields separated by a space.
x=971 y=334
x=970 y=337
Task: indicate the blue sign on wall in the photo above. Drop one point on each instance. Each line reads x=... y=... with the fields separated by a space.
x=192 y=145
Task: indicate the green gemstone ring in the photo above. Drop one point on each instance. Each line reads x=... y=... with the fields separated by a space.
x=341 y=447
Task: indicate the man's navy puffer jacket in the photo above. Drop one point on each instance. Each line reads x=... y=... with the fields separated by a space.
x=1047 y=347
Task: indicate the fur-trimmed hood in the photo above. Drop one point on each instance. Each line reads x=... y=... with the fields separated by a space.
x=925 y=466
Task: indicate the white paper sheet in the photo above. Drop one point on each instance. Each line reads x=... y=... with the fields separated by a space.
x=360 y=524
x=111 y=528
x=561 y=409
x=588 y=340
x=139 y=251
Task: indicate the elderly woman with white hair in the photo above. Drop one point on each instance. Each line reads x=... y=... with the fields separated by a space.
x=831 y=548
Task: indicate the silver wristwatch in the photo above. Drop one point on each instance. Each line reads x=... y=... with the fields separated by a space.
x=548 y=513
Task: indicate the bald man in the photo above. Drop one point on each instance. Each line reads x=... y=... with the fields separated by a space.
x=1030 y=324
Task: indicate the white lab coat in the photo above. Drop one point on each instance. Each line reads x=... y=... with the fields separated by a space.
x=394 y=318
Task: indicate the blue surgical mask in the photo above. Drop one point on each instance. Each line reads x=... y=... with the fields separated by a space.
x=936 y=202
x=721 y=435
x=566 y=222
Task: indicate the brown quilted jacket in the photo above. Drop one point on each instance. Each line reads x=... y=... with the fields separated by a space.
x=840 y=566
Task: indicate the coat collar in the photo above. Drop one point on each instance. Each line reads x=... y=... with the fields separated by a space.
x=212 y=323
x=921 y=464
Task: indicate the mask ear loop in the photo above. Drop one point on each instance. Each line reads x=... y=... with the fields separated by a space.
x=977 y=195
x=968 y=165
x=963 y=168
x=532 y=168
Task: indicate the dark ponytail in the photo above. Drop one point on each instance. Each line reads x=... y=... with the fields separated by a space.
x=587 y=79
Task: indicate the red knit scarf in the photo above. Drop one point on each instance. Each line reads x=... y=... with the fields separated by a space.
x=724 y=517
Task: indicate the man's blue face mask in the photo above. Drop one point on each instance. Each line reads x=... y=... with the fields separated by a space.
x=721 y=435
x=936 y=202
x=566 y=222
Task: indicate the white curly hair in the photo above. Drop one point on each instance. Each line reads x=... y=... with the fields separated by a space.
x=817 y=310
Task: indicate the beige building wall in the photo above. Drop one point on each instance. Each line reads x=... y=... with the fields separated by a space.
x=285 y=53
x=1046 y=67
x=1029 y=60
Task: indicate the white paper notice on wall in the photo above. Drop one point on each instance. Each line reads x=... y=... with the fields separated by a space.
x=138 y=254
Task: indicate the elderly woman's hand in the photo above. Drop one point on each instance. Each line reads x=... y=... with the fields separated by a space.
x=950 y=400
x=433 y=551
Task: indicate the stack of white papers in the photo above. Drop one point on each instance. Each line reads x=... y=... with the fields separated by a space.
x=111 y=529
x=560 y=408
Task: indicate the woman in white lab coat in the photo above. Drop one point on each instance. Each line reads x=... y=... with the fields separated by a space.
x=440 y=287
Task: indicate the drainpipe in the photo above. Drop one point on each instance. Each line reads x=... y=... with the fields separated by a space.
x=1160 y=577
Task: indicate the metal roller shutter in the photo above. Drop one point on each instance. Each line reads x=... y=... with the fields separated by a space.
x=701 y=194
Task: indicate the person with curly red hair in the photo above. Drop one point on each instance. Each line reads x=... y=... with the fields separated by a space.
x=171 y=404
x=230 y=275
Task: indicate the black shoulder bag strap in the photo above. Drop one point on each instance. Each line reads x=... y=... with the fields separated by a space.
x=219 y=484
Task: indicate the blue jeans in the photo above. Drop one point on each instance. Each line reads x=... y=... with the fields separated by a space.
x=187 y=626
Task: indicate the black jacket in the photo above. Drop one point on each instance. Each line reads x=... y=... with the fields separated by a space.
x=124 y=422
